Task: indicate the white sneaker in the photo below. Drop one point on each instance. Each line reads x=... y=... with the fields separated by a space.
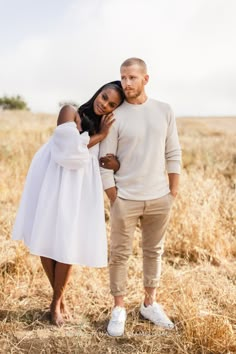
x=156 y=314
x=116 y=325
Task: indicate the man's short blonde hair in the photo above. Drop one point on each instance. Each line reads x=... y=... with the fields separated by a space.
x=135 y=61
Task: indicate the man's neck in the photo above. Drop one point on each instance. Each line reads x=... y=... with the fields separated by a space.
x=137 y=100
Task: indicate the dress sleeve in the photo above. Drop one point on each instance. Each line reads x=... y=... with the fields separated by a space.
x=69 y=147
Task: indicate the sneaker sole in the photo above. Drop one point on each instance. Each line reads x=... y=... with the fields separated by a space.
x=170 y=327
x=115 y=335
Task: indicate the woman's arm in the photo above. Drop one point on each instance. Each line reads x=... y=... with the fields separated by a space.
x=105 y=125
x=69 y=114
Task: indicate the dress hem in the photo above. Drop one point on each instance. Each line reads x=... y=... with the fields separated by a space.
x=57 y=259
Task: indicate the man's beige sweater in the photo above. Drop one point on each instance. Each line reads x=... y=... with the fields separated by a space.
x=144 y=138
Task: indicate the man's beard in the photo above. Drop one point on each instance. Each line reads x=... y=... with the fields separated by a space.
x=133 y=94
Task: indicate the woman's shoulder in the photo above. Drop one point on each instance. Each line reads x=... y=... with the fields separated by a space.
x=67 y=114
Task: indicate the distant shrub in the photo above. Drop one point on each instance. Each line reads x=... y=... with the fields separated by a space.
x=13 y=102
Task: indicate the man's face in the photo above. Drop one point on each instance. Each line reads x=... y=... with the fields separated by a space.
x=133 y=80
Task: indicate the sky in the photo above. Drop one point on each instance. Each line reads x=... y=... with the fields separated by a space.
x=64 y=50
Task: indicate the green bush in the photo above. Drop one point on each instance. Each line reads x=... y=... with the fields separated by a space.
x=14 y=102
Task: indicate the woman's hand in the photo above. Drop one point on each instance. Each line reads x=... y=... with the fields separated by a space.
x=110 y=162
x=106 y=123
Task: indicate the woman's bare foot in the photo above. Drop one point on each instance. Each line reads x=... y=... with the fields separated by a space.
x=65 y=311
x=56 y=316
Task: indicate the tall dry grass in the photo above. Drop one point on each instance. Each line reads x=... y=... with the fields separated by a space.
x=198 y=288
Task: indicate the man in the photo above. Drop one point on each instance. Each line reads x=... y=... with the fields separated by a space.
x=145 y=140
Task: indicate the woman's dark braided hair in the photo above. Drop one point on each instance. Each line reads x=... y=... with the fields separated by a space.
x=90 y=121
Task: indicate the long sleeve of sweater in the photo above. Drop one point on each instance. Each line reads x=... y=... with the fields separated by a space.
x=172 y=146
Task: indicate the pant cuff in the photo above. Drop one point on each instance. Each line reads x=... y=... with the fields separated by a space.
x=118 y=293
x=151 y=284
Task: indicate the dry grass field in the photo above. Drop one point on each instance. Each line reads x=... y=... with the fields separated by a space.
x=198 y=287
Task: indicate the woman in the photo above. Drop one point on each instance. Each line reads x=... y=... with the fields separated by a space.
x=61 y=214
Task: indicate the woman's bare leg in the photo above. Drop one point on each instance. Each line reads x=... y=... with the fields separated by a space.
x=49 y=268
x=61 y=278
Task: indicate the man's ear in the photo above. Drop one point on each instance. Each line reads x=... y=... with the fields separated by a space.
x=146 y=79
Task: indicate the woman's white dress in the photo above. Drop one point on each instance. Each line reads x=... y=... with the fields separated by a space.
x=61 y=213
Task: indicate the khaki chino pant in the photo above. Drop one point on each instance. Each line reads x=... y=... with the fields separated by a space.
x=154 y=216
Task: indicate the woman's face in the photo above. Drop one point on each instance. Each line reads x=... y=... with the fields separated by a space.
x=107 y=100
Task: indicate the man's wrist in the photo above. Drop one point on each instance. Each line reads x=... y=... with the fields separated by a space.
x=174 y=192
x=111 y=193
